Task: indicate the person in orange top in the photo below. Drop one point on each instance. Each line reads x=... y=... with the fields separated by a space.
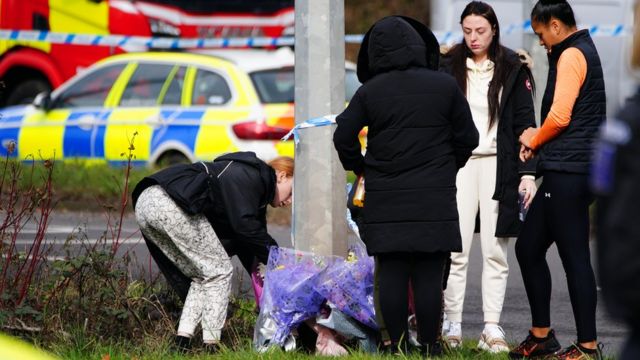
x=572 y=71
x=573 y=108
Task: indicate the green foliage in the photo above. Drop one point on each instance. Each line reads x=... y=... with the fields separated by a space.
x=153 y=351
x=85 y=185
x=361 y=14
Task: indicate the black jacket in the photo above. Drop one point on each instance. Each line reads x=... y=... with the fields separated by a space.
x=233 y=192
x=616 y=179
x=420 y=133
x=516 y=113
x=571 y=150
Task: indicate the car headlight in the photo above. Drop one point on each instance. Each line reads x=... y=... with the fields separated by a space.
x=163 y=28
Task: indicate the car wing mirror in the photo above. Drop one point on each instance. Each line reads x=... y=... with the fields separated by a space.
x=42 y=101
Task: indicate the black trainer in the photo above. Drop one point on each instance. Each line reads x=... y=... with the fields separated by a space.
x=577 y=352
x=533 y=347
x=182 y=344
x=433 y=350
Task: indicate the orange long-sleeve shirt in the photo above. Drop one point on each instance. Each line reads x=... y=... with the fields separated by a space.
x=572 y=71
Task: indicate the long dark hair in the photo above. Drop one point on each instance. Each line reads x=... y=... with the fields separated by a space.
x=503 y=64
x=544 y=10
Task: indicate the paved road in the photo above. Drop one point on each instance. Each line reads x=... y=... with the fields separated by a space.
x=515 y=317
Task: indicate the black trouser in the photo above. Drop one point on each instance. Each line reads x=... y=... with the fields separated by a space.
x=394 y=272
x=631 y=349
x=559 y=213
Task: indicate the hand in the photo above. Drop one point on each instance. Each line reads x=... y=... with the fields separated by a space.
x=261 y=270
x=525 y=57
x=529 y=188
x=527 y=135
x=526 y=154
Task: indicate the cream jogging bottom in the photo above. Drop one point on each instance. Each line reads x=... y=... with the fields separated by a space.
x=476 y=184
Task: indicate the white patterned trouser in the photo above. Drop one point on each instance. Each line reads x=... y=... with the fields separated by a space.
x=191 y=244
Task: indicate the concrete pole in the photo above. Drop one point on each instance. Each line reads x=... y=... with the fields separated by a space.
x=319 y=207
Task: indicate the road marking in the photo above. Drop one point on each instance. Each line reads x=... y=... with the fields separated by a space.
x=73 y=229
x=74 y=242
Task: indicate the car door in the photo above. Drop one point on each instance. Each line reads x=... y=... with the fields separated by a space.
x=139 y=110
x=220 y=93
x=73 y=126
x=173 y=140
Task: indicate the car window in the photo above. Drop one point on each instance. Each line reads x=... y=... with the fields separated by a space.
x=91 y=89
x=145 y=85
x=277 y=86
x=210 y=88
x=172 y=91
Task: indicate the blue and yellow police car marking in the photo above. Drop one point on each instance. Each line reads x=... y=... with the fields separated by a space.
x=103 y=134
x=122 y=125
x=41 y=135
x=10 y=123
x=84 y=134
x=179 y=128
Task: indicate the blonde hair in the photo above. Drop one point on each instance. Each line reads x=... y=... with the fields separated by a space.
x=283 y=163
x=635 y=50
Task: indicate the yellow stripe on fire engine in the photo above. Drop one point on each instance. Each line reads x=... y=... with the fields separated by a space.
x=79 y=16
x=121 y=126
x=8 y=44
x=42 y=135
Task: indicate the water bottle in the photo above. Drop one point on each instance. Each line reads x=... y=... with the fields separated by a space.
x=522 y=213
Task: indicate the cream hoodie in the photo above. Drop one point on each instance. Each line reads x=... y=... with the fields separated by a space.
x=478 y=78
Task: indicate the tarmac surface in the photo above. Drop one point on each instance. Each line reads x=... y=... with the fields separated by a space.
x=77 y=228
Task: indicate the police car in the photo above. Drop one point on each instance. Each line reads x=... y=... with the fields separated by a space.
x=181 y=106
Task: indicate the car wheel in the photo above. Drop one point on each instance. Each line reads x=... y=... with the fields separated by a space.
x=172 y=158
x=25 y=92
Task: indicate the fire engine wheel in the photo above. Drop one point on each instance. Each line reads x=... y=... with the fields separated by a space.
x=171 y=158
x=25 y=92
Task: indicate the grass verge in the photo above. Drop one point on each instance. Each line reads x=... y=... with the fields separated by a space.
x=123 y=351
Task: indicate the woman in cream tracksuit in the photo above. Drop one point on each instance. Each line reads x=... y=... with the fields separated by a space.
x=499 y=89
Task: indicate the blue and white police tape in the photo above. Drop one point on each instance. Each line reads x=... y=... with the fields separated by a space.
x=142 y=41
x=444 y=37
x=315 y=122
x=601 y=30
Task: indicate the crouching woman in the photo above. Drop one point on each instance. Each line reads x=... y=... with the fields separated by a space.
x=195 y=216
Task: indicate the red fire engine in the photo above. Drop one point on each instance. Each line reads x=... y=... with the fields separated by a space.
x=28 y=67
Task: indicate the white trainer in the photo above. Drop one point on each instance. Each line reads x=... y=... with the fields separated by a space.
x=454 y=335
x=445 y=325
x=493 y=339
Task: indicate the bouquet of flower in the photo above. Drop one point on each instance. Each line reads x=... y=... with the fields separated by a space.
x=348 y=284
x=289 y=294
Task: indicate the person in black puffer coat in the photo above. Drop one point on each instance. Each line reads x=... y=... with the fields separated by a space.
x=193 y=217
x=420 y=133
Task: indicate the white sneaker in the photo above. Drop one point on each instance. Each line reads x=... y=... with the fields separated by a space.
x=413 y=330
x=454 y=334
x=445 y=325
x=493 y=339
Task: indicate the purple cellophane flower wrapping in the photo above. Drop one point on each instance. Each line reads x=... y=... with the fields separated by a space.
x=348 y=284
x=289 y=294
